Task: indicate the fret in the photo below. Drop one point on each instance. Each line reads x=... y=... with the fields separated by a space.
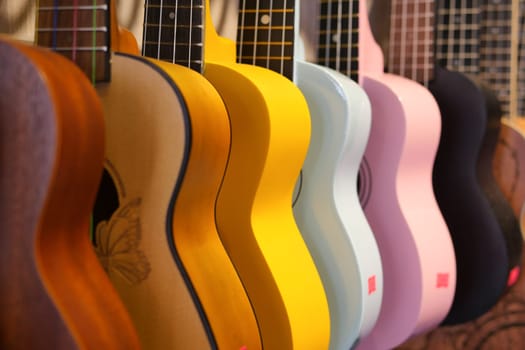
x=338 y=36
x=79 y=32
x=266 y=34
x=173 y=31
x=458 y=35
x=411 y=50
x=496 y=48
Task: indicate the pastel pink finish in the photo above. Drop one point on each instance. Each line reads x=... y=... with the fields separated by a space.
x=419 y=267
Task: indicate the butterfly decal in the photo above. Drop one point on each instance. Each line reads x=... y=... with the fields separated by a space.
x=118 y=243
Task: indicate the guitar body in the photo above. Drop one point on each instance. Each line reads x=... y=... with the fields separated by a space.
x=327 y=208
x=509 y=163
x=507 y=220
x=155 y=229
x=481 y=251
x=55 y=295
x=399 y=203
x=270 y=132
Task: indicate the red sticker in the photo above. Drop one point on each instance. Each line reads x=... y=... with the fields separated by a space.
x=442 y=280
x=513 y=276
x=371 y=284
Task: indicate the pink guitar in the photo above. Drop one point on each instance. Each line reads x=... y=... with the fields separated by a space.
x=396 y=192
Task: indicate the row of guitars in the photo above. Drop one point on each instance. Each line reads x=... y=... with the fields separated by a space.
x=239 y=197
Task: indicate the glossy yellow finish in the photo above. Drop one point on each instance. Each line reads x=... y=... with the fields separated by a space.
x=270 y=125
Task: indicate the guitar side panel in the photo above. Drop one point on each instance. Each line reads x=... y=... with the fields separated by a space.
x=270 y=133
x=477 y=238
x=328 y=211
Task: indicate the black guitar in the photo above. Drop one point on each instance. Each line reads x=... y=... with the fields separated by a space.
x=484 y=231
x=459 y=49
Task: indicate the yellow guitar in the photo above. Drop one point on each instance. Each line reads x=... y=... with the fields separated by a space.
x=270 y=135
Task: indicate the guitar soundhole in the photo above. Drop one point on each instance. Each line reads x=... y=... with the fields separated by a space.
x=117 y=235
x=106 y=202
x=364 y=182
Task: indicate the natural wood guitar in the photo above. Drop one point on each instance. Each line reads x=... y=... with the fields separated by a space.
x=399 y=201
x=164 y=160
x=326 y=205
x=270 y=131
x=55 y=295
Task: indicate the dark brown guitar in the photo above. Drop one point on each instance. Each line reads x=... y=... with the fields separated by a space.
x=54 y=293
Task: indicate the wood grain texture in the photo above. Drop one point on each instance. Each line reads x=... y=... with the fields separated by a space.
x=54 y=292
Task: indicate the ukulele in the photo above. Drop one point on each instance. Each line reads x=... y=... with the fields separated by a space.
x=473 y=206
x=326 y=207
x=399 y=201
x=503 y=69
x=270 y=131
x=55 y=295
x=174 y=33
x=144 y=206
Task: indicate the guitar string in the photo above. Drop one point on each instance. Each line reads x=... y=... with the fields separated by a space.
x=190 y=38
x=94 y=43
x=55 y=26
x=175 y=29
x=268 y=45
x=256 y=33
x=283 y=34
x=354 y=27
x=415 y=40
x=160 y=27
x=328 y=33
x=349 y=32
x=338 y=36
x=451 y=30
x=75 y=24
x=240 y=31
x=145 y=29
x=428 y=41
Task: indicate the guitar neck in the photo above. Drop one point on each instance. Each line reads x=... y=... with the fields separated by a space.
x=411 y=50
x=496 y=49
x=339 y=36
x=458 y=35
x=79 y=30
x=266 y=34
x=174 y=32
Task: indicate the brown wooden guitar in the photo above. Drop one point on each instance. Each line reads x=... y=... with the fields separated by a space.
x=54 y=293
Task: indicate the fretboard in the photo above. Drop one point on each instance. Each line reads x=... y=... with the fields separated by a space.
x=174 y=32
x=339 y=36
x=495 y=49
x=79 y=30
x=458 y=35
x=266 y=34
x=411 y=45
